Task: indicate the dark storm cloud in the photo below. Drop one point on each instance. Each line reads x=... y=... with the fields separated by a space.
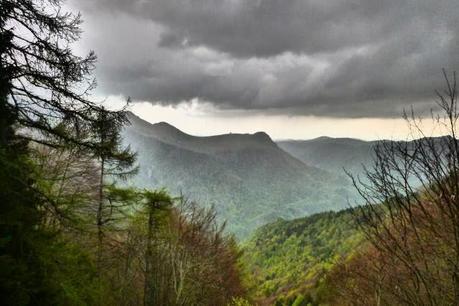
x=346 y=58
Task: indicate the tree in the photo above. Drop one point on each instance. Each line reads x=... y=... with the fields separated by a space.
x=178 y=255
x=19 y=215
x=415 y=230
x=42 y=81
x=67 y=180
x=44 y=98
x=155 y=202
x=115 y=162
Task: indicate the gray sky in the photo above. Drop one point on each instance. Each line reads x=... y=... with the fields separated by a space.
x=271 y=61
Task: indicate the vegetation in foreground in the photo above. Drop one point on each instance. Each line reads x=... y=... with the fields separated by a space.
x=70 y=235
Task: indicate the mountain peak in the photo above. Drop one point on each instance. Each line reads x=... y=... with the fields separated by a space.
x=164 y=124
x=165 y=127
x=262 y=136
x=169 y=134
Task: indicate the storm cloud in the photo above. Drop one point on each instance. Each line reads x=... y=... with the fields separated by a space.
x=342 y=58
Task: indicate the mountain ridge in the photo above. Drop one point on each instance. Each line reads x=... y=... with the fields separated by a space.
x=336 y=154
x=248 y=178
x=170 y=134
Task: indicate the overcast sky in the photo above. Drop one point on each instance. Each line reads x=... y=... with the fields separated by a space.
x=294 y=68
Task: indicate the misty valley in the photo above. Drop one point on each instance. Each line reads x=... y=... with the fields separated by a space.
x=248 y=178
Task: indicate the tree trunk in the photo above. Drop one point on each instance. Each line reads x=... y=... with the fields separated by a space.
x=148 y=292
x=99 y=222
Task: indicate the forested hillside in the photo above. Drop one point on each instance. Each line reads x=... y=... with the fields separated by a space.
x=397 y=249
x=248 y=178
x=290 y=260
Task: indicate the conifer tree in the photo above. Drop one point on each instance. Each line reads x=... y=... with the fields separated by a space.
x=154 y=202
x=43 y=84
x=115 y=162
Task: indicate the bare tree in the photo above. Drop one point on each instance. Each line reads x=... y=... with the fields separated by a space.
x=411 y=214
x=67 y=181
x=179 y=255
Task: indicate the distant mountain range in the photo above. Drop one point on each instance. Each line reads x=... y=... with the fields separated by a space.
x=248 y=178
x=332 y=154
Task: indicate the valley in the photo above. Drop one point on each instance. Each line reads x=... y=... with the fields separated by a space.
x=248 y=178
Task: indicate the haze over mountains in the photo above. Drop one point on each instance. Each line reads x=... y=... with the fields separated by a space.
x=247 y=177
x=250 y=179
x=332 y=154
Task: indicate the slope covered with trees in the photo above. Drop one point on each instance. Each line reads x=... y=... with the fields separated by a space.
x=291 y=259
x=413 y=253
x=406 y=251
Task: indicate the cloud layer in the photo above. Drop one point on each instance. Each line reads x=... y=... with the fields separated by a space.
x=342 y=58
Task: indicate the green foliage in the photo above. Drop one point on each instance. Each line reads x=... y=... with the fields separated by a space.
x=299 y=301
x=21 y=271
x=157 y=199
x=116 y=161
x=291 y=258
x=239 y=302
x=71 y=272
x=38 y=265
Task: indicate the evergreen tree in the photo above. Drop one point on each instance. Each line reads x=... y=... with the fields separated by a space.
x=42 y=85
x=115 y=162
x=154 y=201
x=19 y=215
x=42 y=81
